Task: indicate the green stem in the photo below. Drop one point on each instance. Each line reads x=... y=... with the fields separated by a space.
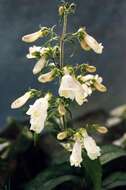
x=62 y=40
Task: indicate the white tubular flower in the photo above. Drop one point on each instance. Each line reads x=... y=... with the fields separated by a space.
x=118 y=111
x=19 y=102
x=93 y=151
x=39 y=65
x=38 y=113
x=71 y=88
x=47 y=77
x=32 y=51
x=32 y=37
x=76 y=156
x=88 y=42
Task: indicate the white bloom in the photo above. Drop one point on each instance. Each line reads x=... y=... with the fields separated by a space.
x=76 y=156
x=19 y=102
x=71 y=88
x=88 y=42
x=93 y=151
x=32 y=51
x=39 y=65
x=32 y=37
x=38 y=113
x=119 y=111
x=47 y=77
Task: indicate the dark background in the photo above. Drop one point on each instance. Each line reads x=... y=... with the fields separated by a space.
x=104 y=19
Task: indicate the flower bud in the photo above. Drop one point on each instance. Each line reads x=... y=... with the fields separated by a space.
x=102 y=130
x=61 y=109
x=47 y=77
x=100 y=87
x=61 y=10
x=21 y=100
x=90 y=68
x=56 y=51
x=62 y=135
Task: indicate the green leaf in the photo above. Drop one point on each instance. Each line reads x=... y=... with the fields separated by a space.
x=51 y=176
x=51 y=183
x=93 y=173
x=116 y=179
x=111 y=152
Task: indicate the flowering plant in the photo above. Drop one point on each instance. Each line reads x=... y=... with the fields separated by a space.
x=75 y=83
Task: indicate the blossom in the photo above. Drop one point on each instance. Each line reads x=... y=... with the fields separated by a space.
x=38 y=113
x=71 y=88
x=39 y=65
x=93 y=151
x=19 y=102
x=47 y=77
x=36 y=35
x=32 y=52
x=76 y=156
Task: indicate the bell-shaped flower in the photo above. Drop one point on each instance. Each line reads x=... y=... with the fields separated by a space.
x=19 y=102
x=38 y=114
x=88 y=42
x=71 y=88
x=47 y=77
x=33 y=51
x=93 y=151
x=76 y=155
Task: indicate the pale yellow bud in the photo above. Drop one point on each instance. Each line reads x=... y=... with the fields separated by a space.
x=100 y=87
x=102 y=130
x=61 y=109
x=62 y=135
x=47 y=77
x=61 y=10
x=21 y=100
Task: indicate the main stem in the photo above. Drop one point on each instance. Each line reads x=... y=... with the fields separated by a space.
x=62 y=40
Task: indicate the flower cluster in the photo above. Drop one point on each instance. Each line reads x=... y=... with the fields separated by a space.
x=76 y=83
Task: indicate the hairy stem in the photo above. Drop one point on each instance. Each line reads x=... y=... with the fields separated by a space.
x=62 y=40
